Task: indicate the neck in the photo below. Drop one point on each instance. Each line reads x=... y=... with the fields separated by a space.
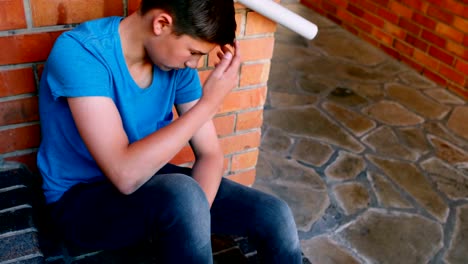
x=132 y=33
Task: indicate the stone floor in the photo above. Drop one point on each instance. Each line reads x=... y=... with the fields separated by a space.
x=372 y=157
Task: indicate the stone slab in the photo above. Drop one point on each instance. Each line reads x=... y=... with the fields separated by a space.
x=392 y=113
x=323 y=250
x=312 y=152
x=352 y=197
x=384 y=142
x=417 y=101
x=458 y=121
x=410 y=178
x=381 y=236
x=450 y=181
x=357 y=123
x=458 y=253
x=387 y=194
x=310 y=122
x=346 y=166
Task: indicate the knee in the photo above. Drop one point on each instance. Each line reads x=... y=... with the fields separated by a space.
x=276 y=218
x=179 y=194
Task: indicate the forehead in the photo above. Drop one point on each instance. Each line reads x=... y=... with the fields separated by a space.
x=196 y=44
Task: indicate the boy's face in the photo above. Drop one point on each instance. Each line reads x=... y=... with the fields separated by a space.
x=171 y=52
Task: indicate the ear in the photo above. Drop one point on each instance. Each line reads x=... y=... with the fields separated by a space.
x=162 y=22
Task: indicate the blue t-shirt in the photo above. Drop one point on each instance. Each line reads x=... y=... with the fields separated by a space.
x=88 y=61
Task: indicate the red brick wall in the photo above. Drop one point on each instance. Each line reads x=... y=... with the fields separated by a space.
x=27 y=34
x=429 y=35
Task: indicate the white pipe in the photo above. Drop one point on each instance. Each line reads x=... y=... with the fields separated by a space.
x=283 y=16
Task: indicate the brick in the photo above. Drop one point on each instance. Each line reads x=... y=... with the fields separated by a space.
x=345 y=16
x=457 y=49
x=249 y=120
x=244 y=99
x=426 y=60
x=240 y=23
x=329 y=7
x=452 y=75
x=20 y=245
x=400 y=9
x=256 y=49
x=390 y=51
x=244 y=160
x=362 y=25
x=20 y=138
x=246 y=178
x=369 y=6
x=456 y=7
x=339 y=3
x=424 y=21
x=17 y=81
x=441 y=55
x=224 y=124
x=383 y=3
x=405 y=49
x=12 y=15
x=60 y=12
x=409 y=26
x=449 y=32
x=355 y=10
x=374 y=20
x=133 y=5
x=461 y=24
x=19 y=111
x=334 y=19
x=185 y=155
x=435 y=77
x=416 y=4
x=413 y=64
x=439 y=14
x=389 y=16
x=417 y=43
x=394 y=30
x=370 y=40
x=462 y=66
x=252 y=74
x=462 y=91
x=433 y=38
x=27 y=48
x=383 y=37
x=240 y=142
x=258 y=24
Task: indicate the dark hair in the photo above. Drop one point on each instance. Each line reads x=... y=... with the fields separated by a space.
x=209 y=20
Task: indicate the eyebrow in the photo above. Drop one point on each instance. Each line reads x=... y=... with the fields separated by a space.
x=198 y=52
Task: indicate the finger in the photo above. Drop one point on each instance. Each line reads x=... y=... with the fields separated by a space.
x=223 y=64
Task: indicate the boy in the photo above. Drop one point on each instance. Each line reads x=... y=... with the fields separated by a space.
x=106 y=100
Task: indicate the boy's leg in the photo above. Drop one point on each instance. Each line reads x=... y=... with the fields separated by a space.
x=170 y=209
x=266 y=220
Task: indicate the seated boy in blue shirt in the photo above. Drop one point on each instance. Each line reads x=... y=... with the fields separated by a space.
x=106 y=98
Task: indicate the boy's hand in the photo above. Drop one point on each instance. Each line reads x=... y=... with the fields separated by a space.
x=224 y=77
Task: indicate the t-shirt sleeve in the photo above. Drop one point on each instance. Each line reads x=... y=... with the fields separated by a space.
x=188 y=86
x=73 y=71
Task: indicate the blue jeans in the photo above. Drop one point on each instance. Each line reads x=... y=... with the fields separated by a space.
x=171 y=210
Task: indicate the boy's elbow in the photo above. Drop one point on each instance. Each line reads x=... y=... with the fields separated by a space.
x=124 y=182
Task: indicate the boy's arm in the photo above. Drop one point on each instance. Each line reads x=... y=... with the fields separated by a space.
x=128 y=166
x=208 y=167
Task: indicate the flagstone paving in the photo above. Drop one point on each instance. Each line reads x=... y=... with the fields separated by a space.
x=371 y=156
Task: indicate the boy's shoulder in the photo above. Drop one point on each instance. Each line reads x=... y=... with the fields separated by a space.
x=95 y=29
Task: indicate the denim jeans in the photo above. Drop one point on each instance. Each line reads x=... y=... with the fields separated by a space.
x=172 y=211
